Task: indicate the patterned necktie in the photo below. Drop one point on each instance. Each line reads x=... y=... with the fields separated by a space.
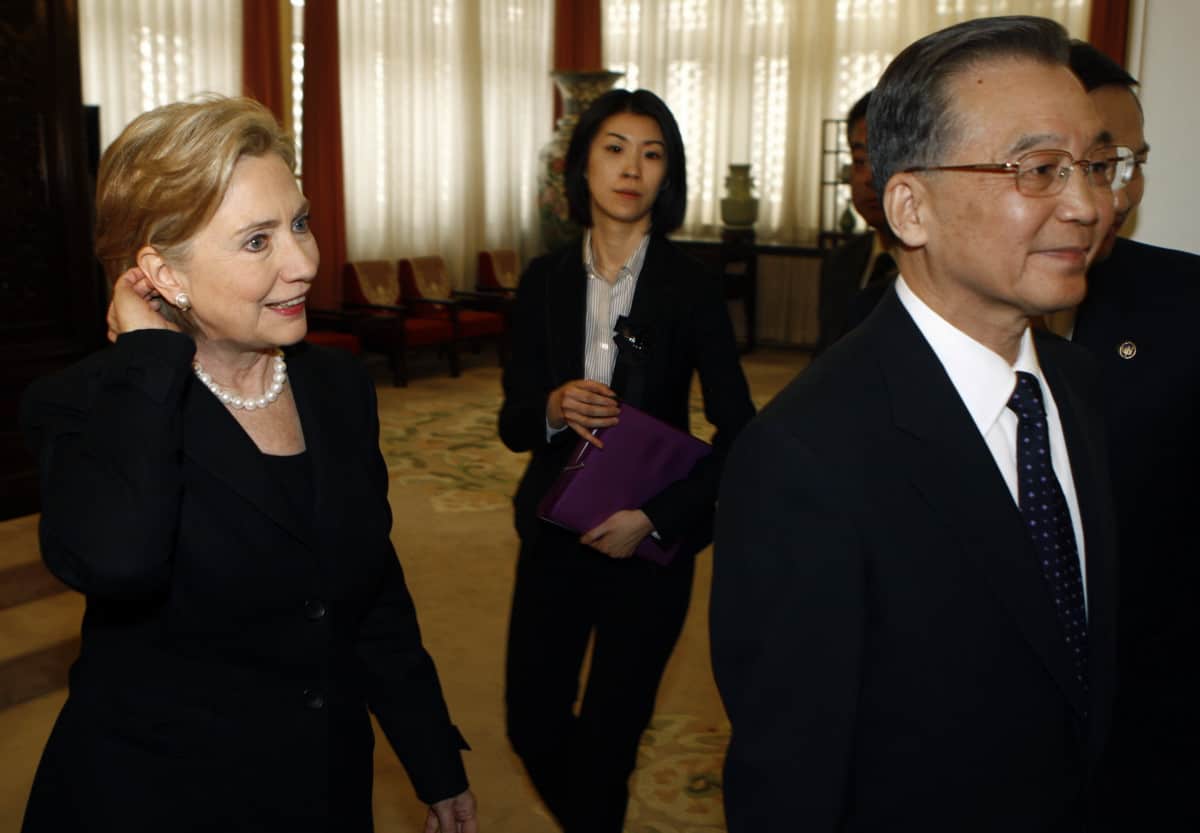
x=1048 y=520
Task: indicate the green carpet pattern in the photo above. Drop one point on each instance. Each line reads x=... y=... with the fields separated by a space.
x=677 y=785
x=452 y=449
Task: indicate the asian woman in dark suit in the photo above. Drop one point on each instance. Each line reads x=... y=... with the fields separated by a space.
x=215 y=488
x=627 y=186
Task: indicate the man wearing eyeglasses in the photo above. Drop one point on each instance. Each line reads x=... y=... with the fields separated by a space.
x=1138 y=320
x=913 y=591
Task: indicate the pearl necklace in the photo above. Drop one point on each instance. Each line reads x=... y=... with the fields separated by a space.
x=232 y=400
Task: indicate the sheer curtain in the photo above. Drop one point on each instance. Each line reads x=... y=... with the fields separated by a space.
x=139 y=54
x=444 y=107
x=751 y=80
x=722 y=68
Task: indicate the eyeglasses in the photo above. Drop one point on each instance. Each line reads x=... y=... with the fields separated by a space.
x=1044 y=173
x=1125 y=164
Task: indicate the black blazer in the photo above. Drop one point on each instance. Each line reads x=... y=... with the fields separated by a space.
x=1148 y=298
x=680 y=308
x=883 y=639
x=841 y=273
x=231 y=644
x=1139 y=321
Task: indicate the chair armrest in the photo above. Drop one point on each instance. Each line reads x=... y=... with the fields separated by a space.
x=477 y=295
x=450 y=305
x=399 y=308
x=491 y=301
x=332 y=312
x=328 y=317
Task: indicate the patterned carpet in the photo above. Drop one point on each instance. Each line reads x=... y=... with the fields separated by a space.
x=451 y=448
x=677 y=786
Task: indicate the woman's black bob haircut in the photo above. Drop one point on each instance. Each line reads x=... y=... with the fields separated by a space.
x=671 y=205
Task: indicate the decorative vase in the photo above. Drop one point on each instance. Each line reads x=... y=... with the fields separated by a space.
x=847 y=223
x=579 y=88
x=739 y=208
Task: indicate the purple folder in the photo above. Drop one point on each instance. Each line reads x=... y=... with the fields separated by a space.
x=641 y=457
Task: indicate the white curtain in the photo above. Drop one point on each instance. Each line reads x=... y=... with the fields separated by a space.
x=445 y=104
x=136 y=55
x=751 y=81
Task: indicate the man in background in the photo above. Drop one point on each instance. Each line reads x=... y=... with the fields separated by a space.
x=1139 y=320
x=864 y=259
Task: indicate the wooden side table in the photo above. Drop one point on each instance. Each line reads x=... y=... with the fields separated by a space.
x=732 y=256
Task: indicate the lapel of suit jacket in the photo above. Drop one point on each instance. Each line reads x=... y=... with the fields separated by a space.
x=849 y=262
x=952 y=467
x=1084 y=435
x=647 y=310
x=1101 y=318
x=861 y=255
x=217 y=443
x=566 y=314
x=313 y=403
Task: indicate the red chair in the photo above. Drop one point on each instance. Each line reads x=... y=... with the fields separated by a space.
x=332 y=328
x=425 y=290
x=384 y=324
x=499 y=270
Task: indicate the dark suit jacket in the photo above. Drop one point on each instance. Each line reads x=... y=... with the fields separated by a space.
x=864 y=303
x=680 y=307
x=1148 y=298
x=231 y=645
x=883 y=638
x=841 y=273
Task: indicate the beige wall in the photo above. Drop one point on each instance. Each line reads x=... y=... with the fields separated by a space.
x=1164 y=57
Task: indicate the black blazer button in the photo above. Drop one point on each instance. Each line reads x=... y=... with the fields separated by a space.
x=313 y=699
x=314 y=609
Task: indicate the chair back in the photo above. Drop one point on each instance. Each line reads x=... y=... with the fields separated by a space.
x=499 y=269
x=371 y=282
x=424 y=277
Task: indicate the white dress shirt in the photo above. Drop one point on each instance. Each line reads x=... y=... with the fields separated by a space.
x=606 y=303
x=985 y=381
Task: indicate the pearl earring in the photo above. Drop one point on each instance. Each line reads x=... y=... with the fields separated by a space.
x=183 y=301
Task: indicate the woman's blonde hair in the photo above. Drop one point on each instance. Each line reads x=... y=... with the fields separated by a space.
x=166 y=174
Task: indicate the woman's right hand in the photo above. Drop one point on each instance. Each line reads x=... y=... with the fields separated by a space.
x=135 y=305
x=582 y=404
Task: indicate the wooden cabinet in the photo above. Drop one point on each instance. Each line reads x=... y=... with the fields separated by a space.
x=52 y=298
x=734 y=256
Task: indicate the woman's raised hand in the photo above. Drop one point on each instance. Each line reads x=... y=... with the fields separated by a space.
x=135 y=305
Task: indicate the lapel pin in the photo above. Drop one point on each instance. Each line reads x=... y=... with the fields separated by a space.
x=1127 y=349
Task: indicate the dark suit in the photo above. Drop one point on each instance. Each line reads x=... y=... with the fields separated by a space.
x=1147 y=299
x=883 y=638
x=841 y=277
x=233 y=641
x=864 y=303
x=564 y=590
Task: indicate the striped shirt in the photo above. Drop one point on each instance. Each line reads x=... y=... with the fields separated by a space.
x=607 y=302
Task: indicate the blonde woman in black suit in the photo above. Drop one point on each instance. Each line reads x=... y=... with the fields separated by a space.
x=214 y=487
x=627 y=186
